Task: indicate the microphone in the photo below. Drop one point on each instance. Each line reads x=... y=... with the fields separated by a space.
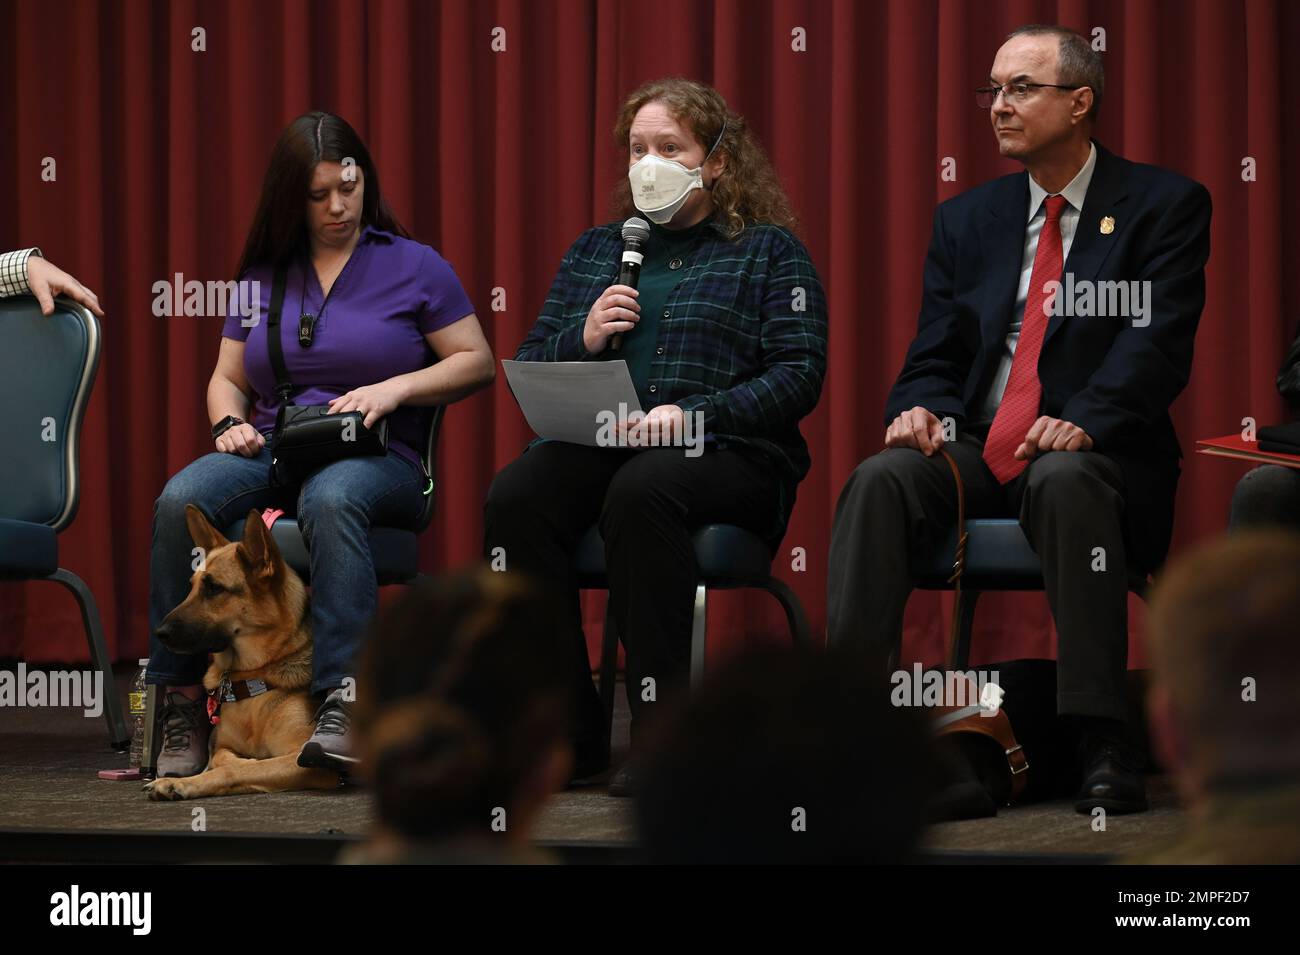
x=636 y=233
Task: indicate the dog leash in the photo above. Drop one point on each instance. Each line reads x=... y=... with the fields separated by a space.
x=958 y=562
x=973 y=719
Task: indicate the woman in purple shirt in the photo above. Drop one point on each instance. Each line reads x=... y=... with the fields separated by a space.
x=392 y=333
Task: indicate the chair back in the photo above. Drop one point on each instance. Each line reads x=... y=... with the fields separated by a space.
x=47 y=370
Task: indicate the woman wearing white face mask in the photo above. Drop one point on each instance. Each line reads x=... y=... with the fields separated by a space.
x=725 y=340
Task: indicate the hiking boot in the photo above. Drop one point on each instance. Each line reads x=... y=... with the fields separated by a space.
x=183 y=724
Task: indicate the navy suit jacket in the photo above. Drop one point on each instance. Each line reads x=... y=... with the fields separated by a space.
x=1112 y=377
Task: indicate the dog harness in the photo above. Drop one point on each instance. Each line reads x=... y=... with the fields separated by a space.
x=229 y=692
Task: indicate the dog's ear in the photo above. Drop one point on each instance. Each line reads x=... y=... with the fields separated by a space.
x=258 y=548
x=201 y=531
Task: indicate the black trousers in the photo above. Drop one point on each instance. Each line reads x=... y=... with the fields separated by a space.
x=899 y=503
x=647 y=503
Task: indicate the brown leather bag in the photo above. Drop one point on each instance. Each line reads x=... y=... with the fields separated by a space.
x=970 y=719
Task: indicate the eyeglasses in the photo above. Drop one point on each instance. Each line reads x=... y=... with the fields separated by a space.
x=986 y=96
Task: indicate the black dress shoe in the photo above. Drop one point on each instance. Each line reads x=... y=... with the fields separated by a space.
x=1109 y=778
x=625 y=782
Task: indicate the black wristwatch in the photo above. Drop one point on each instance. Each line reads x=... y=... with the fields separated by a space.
x=224 y=425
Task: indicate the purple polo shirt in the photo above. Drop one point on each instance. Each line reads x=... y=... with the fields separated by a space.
x=391 y=293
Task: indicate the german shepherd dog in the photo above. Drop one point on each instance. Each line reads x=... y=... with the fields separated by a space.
x=249 y=609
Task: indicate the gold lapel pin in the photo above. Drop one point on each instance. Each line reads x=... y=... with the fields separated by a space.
x=1107 y=225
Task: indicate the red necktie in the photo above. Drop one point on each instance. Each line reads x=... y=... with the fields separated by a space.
x=1018 y=409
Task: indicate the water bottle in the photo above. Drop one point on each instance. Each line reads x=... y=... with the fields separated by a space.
x=136 y=708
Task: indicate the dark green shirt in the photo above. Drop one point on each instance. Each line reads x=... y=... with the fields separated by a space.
x=666 y=254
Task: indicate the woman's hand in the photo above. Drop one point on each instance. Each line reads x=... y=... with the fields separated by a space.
x=615 y=311
x=241 y=439
x=374 y=401
x=662 y=426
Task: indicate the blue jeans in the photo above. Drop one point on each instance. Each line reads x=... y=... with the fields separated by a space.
x=335 y=507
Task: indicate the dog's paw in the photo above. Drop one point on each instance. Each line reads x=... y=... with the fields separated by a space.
x=165 y=789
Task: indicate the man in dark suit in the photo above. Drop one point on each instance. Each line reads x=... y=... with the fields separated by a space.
x=1056 y=328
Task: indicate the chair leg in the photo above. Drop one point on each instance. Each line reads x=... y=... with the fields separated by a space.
x=119 y=736
x=967 y=622
x=608 y=674
x=697 y=634
x=794 y=615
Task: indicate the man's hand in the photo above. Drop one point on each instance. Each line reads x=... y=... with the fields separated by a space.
x=47 y=280
x=1052 y=434
x=915 y=428
x=374 y=401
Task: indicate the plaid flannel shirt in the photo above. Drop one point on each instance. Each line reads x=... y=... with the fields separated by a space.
x=742 y=337
x=13 y=272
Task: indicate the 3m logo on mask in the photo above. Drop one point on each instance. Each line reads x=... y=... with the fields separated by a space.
x=649 y=176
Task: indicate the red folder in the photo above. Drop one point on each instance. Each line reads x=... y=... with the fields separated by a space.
x=1236 y=447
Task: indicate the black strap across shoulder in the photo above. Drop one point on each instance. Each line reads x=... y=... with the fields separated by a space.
x=283 y=387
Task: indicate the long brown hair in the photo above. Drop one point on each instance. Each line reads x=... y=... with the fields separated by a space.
x=279 y=229
x=748 y=192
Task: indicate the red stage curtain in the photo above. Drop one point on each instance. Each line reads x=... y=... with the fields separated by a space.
x=500 y=159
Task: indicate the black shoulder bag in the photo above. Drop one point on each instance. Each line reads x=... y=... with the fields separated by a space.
x=308 y=437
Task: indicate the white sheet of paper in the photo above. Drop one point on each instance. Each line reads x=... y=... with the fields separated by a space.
x=561 y=399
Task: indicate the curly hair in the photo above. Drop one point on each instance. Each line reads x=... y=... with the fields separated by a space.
x=749 y=192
